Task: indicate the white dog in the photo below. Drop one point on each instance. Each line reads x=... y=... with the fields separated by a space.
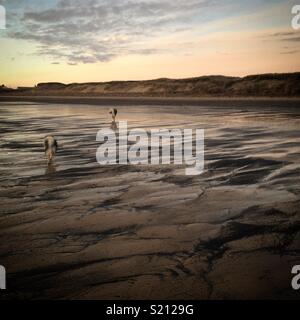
x=113 y=113
x=51 y=147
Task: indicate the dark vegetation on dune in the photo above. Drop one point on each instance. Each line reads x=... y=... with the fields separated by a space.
x=264 y=85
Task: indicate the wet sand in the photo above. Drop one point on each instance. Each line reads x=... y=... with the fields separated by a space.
x=79 y=230
x=105 y=100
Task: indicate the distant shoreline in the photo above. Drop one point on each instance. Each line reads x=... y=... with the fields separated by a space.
x=161 y=101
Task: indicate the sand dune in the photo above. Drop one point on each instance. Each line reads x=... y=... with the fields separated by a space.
x=263 y=85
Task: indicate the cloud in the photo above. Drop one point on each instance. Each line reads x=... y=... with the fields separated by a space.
x=283 y=34
x=290 y=52
x=101 y=30
x=292 y=39
x=290 y=36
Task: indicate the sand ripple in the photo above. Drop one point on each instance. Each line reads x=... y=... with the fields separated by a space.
x=80 y=230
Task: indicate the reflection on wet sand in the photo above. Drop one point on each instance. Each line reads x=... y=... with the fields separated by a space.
x=50 y=168
x=114 y=126
x=146 y=231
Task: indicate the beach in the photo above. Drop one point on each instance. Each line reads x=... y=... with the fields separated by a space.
x=127 y=100
x=79 y=230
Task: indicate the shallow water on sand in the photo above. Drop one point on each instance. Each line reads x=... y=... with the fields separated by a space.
x=80 y=230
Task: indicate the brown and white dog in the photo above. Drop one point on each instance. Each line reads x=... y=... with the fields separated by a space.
x=113 y=113
x=51 y=147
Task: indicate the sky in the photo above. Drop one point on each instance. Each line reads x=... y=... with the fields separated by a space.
x=103 y=40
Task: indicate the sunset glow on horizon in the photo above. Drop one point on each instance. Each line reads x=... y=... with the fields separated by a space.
x=99 y=40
